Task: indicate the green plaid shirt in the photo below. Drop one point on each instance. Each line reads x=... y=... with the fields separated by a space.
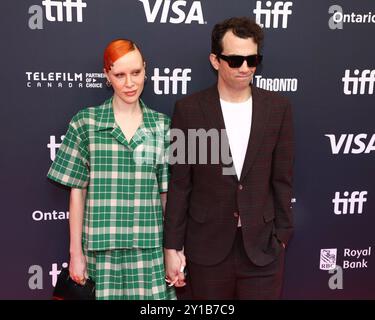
x=123 y=179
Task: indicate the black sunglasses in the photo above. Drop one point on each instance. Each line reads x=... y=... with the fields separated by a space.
x=237 y=61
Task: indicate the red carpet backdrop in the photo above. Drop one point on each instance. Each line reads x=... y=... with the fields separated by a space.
x=318 y=53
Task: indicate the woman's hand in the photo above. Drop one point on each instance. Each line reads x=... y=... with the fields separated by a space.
x=78 y=268
x=77 y=265
x=174 y=267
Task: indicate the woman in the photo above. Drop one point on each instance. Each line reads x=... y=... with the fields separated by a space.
x=113 y=158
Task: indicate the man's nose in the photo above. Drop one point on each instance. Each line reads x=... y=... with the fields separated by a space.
x=244 y=66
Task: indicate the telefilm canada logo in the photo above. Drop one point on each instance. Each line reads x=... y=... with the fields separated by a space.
x=274 y=15
x=57 y=79
x=174 y=12
x=338 y=17
x=55 y=11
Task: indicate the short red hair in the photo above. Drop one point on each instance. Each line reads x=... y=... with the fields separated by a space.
x=116 y=49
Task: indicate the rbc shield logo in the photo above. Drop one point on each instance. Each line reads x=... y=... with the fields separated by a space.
x=328 y=259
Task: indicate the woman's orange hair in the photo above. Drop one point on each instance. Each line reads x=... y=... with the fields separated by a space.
x=116 y=49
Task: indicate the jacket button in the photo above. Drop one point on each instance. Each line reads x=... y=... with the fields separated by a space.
x=240 y=187
x=235 y=214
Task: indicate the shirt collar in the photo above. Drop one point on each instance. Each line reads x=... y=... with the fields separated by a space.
x=105 y=118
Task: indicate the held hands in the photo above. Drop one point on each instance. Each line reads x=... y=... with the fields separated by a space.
x=78 y=268
x=181 y=275
x=175 y=264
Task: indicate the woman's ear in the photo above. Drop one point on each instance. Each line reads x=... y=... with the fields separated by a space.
x=105 y=73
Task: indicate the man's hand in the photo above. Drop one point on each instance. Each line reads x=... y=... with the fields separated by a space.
x=174 y=267
x=181 y=275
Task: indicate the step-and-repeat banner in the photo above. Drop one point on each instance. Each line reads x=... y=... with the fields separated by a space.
x=318 y=53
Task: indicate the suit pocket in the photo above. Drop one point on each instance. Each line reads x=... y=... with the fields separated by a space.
x=198 y=213
x=268 y=216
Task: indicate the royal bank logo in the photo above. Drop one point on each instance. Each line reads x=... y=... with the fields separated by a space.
x=356 y=258
x=351 y=143
x=276 y=84
x=353 y=258
x=328 y=258
x=175 y=12
x=339 y=17
x=53 y=79
x=171 y=81
x=361 y=82
x=273 y=15
x=55 y=11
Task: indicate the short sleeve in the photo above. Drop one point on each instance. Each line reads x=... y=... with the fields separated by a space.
x=163 y=165
x=70 y=166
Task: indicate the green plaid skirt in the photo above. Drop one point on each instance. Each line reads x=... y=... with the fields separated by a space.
x=129 y=274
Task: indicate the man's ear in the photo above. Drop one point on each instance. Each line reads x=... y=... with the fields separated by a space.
x=214 y=61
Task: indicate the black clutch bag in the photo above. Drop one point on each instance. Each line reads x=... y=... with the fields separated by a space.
x=67 y=289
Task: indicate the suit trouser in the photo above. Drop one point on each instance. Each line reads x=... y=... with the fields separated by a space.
x=236 y=277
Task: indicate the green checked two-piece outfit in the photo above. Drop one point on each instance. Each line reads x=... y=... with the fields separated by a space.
x=123 y=218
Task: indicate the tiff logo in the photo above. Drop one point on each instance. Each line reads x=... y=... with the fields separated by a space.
x=162 y=83
x=53 y=146
x=177 y=13
x=356 y=199
x=280 y=8
x=67 y=6
x=350 y=143
x=365 y=81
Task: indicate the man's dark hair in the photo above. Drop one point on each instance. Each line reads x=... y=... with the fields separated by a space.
x=242 y=27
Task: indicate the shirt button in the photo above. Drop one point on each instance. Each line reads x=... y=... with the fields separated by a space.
x=235 y=214
x=240 y=187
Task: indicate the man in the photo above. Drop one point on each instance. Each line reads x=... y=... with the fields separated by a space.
x=232 y=229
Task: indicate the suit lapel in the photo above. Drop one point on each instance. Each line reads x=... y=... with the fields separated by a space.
x=210 y=105
x=211 y=109
x=259 y=119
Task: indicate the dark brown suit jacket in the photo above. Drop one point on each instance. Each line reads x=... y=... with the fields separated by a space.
x=203 y=204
